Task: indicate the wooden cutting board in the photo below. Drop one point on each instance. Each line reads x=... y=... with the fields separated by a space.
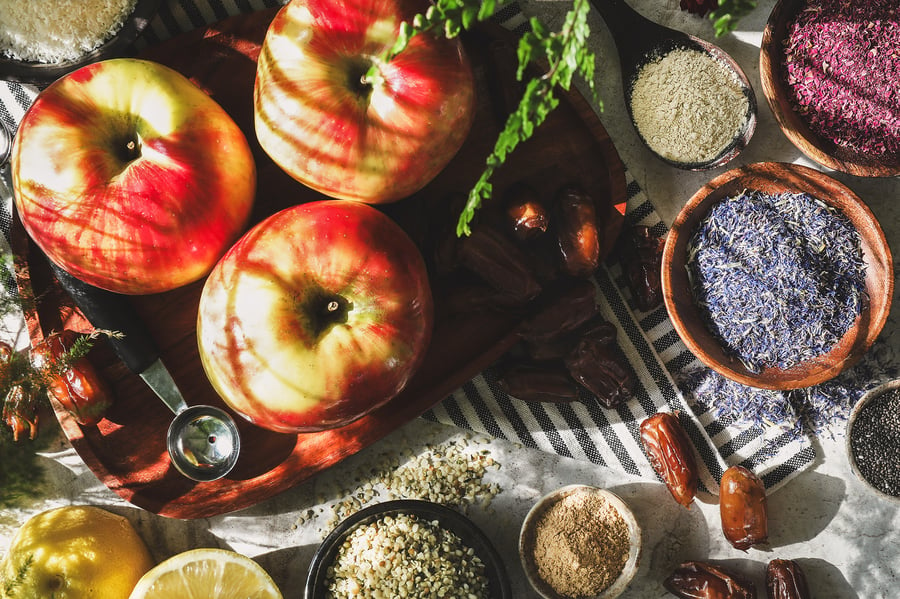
x=127 y=450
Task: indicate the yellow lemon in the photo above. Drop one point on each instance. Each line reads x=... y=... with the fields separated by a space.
x=74 y=552
x=207 y=574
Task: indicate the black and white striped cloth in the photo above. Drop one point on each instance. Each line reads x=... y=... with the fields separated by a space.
x=582 y=430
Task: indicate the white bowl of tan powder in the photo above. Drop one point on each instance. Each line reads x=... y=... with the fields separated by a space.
x=580 y=542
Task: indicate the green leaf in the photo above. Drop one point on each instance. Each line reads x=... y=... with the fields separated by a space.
x=563 y=54
x=726 y=17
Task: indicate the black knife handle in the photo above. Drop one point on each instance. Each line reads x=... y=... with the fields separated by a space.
x=112 y=312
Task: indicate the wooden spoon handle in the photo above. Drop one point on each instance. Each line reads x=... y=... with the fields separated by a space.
x=635 y=36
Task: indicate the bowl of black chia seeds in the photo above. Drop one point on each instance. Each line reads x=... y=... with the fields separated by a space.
x=777 y=276
x=873 y=440
x=407 y=548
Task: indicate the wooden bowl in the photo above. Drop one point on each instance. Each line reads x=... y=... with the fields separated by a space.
x=772 y=74
x=537 y=511
x=40 y=73
x=776 y=178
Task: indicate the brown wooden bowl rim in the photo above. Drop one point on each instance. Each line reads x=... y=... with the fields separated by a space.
x=774 y=87
x=775 y=177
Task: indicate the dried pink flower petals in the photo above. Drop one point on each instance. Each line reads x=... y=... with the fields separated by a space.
x=842 y=66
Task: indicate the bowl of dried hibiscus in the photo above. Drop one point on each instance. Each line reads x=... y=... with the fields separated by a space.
x=829 y=71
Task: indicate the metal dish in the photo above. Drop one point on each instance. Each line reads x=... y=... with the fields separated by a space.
x=39 y=73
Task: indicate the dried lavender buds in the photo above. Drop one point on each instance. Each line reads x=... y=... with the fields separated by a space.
x=842 y=61
x=779 y=278
x=403 y=555
x=874 y=440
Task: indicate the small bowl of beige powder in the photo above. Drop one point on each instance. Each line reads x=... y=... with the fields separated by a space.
x=580 y=542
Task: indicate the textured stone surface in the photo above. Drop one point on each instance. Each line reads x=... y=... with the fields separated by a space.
x=846 y=539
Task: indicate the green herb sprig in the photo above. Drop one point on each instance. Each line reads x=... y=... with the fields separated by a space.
x=564 y=55
x=9 y=588
x=726 y=17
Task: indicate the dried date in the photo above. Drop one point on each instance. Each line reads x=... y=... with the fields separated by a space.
x=671 y=455
x=539 y=383
x=499 y=262
x=785 y=580
x=557 y=347
x=602 y=369
x=577 y=231
x=468 y=298
x=526 y=215
x=700 y=580
x=643 y=268
x=743 y=508
x=562 y=310
x=77 y=386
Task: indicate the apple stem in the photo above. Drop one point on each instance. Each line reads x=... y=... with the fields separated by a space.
x=333 y=306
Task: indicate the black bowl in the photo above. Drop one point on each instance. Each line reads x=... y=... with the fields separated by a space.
x=448 y=518
x=40 y=73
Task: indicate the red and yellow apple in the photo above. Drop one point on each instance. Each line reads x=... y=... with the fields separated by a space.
x=130 y=177
x=333 y=114
x=318 y=315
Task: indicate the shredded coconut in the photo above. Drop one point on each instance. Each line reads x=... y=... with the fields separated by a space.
x=53 y=31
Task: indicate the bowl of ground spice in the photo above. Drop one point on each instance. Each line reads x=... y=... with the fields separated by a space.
x=580 y=542
x=777 y=276
x=829 y=72
x=42 y=41
x=407 y=548
x=873 y=440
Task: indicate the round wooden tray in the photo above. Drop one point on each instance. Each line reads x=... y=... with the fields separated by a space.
x=127 y=449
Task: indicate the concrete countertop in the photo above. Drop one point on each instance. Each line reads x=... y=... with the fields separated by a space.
x=846 y=539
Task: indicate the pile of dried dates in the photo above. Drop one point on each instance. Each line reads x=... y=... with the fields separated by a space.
x=701 y=580
x=536 y=256
x=743 y=509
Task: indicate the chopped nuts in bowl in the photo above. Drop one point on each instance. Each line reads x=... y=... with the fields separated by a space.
x=405 y=548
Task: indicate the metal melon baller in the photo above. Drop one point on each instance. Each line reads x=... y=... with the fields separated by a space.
x=203 y=441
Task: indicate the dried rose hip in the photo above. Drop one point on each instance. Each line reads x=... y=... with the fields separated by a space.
x=20 y=412
x=78 y=387
x=700 y=580
x=699 y=7
x=671 y=455
x=743 y=508
x=785 y=580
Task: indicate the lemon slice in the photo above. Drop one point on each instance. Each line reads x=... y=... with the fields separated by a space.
x=206 y=573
